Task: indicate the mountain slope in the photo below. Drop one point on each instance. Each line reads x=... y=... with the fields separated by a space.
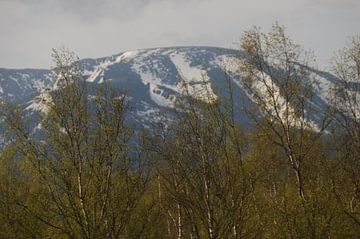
x=154 y=78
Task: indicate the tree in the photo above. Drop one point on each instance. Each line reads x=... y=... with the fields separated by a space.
x=346 y=103
x=89 y=178
x=204 y=184
x=275 y=73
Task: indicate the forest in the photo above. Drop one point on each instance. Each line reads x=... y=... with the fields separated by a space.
x=92 y=174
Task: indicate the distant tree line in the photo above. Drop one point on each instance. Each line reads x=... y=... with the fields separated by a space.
x=90 y=174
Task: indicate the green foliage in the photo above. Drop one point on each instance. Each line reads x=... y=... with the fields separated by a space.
x=88 y=175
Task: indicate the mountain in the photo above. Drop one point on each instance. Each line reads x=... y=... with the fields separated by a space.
x=153 y=79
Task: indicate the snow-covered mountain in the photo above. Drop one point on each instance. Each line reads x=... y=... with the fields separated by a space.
x=153 y=78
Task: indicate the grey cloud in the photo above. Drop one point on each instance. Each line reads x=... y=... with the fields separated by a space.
x=94 y=28
x=94 y=9
x=91 y=10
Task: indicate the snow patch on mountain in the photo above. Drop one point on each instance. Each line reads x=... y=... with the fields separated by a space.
x=194 y=79
x=126 y=56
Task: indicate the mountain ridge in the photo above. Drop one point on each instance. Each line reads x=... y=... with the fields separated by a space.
x=154 y=78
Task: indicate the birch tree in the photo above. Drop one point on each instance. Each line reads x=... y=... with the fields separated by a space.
x=346 y=103
x=276 y=76
x=89 y=184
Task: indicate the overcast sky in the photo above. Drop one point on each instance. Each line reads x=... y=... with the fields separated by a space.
x=94 y=28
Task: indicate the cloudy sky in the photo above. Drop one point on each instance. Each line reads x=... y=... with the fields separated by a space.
x=94 y=28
